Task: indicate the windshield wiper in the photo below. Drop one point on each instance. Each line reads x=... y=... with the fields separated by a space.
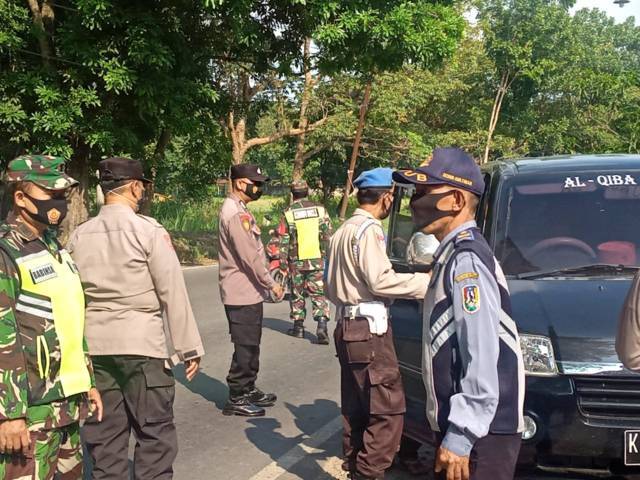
x=601 y=268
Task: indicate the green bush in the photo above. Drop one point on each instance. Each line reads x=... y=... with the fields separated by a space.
x=188 y=216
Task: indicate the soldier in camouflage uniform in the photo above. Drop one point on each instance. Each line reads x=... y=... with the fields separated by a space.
x=46 y=378
x=305 y=230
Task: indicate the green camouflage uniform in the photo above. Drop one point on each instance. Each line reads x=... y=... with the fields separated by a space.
x=306 y=275
x=52 y=419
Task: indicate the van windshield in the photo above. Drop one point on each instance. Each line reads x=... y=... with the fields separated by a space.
x=562 y=221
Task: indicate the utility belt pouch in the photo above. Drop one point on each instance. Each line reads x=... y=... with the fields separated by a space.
x=376 y=314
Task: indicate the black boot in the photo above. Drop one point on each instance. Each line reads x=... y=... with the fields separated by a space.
x=243 y=407
x=297 y=330
x=321 y=333
x=261 y=399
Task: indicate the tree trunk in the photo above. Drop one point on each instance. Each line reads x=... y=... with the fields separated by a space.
x=79 y=196
x=505 y=82
x=156 y=159
x=237 y=134
x=236 y=131
x=364 y=106
x=298 y=161
x=43 y=18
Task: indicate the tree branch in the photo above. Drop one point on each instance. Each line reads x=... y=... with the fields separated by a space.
x=291 y=132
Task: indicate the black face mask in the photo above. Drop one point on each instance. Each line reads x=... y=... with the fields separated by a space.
x=142 y=200
x=48 y=212
x=253 y=191
x=424 y=210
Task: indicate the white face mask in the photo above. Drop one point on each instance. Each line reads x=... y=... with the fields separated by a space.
x=136 y=205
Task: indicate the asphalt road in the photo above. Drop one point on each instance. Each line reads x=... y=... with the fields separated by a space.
x=300 y=436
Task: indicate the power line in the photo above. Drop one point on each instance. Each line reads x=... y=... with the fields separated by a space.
x=64 y=7
x=56 y=59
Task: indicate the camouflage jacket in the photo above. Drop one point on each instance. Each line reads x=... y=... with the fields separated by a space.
x=15 y=385
x=289 y=243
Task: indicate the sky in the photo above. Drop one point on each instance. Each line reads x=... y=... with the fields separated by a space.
x=631 y=9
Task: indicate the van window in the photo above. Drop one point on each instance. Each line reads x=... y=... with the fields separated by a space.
x=402 y=227
x=550 y=222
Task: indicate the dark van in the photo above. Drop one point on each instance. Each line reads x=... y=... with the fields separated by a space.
x=566 y=231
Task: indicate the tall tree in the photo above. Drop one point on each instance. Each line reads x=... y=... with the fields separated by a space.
x=592 y=103
x=377 y=37
x=523 y=40
x=94 y=78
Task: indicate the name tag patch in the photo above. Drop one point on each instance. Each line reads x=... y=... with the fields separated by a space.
x=302 y=213
x=466 y=276
x=42 y=273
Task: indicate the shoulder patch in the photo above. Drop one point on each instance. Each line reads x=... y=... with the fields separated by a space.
x=466 y=276
x=464 y=236
x=245 y=220
x=167 y=239
x=471 y=298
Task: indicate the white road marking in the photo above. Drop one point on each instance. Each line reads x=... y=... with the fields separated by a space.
x=309 y=445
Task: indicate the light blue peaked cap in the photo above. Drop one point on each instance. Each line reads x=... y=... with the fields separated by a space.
x=377 y=178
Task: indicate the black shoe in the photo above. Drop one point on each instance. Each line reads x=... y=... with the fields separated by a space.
x=243 y=407
x=321 y=333
x=261 y=399
x=297 y=330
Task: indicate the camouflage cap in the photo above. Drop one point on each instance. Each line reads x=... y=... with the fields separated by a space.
x=299 y=185
x=43 y=170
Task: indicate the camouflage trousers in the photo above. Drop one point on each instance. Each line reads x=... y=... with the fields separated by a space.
x=308 y=283
x=55 y=453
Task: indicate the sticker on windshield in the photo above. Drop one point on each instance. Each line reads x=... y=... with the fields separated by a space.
x=471 y=298
x=616 y=180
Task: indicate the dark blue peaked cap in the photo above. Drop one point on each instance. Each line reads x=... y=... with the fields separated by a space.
x=450 y=166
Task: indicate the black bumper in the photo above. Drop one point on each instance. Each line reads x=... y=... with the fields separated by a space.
x=571 y=434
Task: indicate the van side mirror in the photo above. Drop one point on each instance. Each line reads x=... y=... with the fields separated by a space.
x=421 y=249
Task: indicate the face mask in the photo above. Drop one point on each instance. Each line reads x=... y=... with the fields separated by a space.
x=143 y=199
x=387 y=209
x=424 y=210
x=49 y=212
x=253 y=190
x=137 y=205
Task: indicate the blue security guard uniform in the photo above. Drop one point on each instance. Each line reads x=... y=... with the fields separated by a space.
x=472 y=363
x=468 y=332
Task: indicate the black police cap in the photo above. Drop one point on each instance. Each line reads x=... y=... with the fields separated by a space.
x=116 y=169
x=247 y=170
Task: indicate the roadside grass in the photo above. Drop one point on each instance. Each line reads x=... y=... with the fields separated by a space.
x=193 y=224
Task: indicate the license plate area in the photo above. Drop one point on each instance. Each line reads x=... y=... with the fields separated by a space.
x=632 y=447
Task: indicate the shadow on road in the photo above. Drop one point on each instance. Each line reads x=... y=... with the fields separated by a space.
x=209 y=388
x=309 y=418
x=281 y=326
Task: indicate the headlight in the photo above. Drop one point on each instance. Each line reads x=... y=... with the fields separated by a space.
x=537 y=353
x=530 y=428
